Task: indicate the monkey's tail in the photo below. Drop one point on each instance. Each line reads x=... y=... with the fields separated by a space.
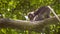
x=54 y=13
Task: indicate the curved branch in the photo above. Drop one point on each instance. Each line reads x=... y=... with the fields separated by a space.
x=27 y=25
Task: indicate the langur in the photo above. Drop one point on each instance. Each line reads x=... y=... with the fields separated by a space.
x=41 y=14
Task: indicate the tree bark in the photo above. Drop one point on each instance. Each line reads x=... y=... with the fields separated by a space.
x=27 y=25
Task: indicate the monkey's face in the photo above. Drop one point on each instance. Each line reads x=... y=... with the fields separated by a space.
x=31 y=16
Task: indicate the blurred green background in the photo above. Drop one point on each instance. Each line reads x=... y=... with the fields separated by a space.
x=18 y=9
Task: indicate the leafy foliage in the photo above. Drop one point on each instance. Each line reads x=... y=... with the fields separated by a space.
x=18 y=9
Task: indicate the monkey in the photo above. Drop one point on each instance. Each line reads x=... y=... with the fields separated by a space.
x=38 y=15
x=41 y=14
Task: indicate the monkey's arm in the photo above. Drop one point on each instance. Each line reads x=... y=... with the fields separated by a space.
x=38 y=14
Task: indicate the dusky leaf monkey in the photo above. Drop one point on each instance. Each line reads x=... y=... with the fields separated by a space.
x=41 y=14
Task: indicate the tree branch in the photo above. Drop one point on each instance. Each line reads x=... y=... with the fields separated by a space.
x=27 y=25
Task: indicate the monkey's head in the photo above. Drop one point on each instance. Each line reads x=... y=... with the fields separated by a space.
x=31 y=15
